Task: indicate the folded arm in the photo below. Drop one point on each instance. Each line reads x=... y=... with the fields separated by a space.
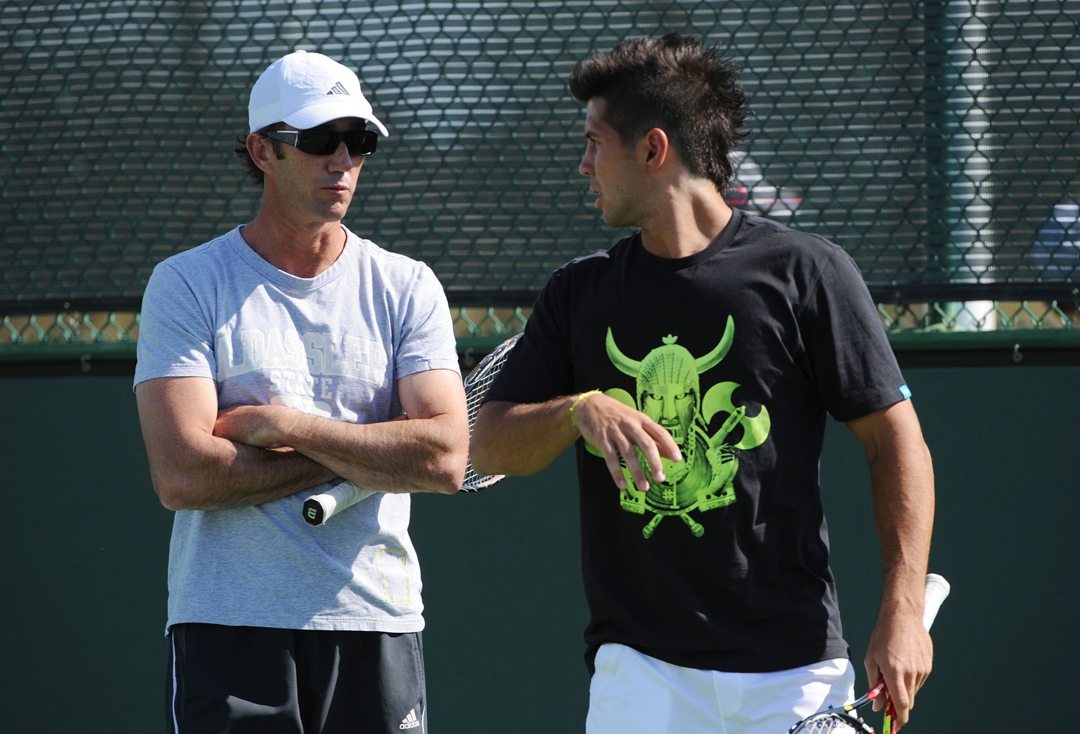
x=246 y=455
x=193 y=469
x=902 y=480
x=426 y=453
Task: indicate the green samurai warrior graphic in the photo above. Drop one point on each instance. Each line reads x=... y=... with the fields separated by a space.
x=669 y=392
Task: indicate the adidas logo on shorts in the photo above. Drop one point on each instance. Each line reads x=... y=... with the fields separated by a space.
x=410 y=721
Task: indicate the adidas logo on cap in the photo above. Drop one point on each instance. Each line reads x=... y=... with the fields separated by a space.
x=338 y=88
x=410 y=721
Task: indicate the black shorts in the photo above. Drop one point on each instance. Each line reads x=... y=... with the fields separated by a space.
x=278 y=681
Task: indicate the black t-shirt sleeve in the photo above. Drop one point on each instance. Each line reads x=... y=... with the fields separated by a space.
x=538 y=368
x=853 y=365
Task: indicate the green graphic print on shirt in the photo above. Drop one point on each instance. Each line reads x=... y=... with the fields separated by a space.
x=669 y=392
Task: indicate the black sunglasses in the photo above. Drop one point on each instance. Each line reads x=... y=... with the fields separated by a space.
x=321 y=141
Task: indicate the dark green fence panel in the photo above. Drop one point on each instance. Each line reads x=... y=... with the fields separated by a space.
x=84 y=544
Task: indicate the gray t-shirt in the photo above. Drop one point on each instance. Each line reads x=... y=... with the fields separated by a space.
x=333 y=345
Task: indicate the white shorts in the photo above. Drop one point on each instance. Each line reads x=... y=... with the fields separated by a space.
x=632 y=693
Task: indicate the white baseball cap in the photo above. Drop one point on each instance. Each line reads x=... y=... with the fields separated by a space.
x=306 y=90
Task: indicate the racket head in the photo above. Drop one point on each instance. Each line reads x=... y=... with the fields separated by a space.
x=477 y=384
x=831 y=722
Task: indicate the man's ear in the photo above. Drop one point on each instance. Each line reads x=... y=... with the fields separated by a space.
x=655 y=147
x=261 y=151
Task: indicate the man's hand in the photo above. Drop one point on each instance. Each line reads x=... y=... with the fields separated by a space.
x=620 y=431
x=255 y=425
x=900 y=651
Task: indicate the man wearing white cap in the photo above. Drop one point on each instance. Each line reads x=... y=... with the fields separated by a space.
x=280 y=359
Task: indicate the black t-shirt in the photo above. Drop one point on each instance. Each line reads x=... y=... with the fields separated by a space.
x=739 y=350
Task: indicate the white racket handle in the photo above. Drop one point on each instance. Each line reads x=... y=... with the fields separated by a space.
x=937 y=588
x=321 y=507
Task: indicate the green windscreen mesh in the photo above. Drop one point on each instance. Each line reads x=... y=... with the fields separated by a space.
x=936 y=142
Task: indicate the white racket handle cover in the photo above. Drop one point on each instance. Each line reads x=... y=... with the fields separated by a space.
x=937 y=588
x=321 y=507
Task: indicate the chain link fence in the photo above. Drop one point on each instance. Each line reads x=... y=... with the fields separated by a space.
x=935 y=141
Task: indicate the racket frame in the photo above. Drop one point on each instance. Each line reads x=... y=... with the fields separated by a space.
x=832 y=721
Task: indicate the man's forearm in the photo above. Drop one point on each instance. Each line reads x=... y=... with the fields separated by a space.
x=226 y=475
x=519 y=439
x=522 y=439
x=415 y=455
x=903 y=496
x=193 y=469
x=902 y=482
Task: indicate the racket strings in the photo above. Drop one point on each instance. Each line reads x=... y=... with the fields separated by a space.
x=476 y=386
x=832 y=723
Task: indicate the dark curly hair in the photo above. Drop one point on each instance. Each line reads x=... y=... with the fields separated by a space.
x=677 y=84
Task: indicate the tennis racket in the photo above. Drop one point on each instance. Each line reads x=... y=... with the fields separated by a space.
x=321 y=507
x=842 y=720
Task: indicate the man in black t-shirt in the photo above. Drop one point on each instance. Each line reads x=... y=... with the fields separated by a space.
x=693 y=364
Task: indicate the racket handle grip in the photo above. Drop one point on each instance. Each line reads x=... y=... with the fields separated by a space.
x=937 y=588
x=321 y=507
